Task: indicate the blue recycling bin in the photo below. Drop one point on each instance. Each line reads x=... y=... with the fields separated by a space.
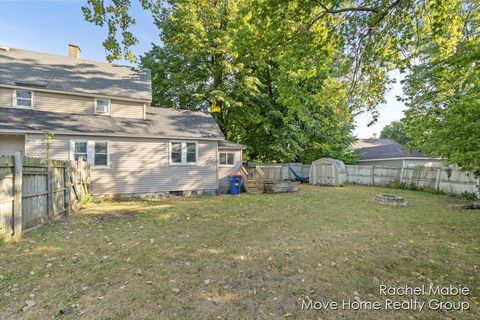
x=235 y=184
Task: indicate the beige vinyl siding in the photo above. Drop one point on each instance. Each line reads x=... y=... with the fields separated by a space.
x=5 y=97
x=126 y=109
x=139 y=165
x=224 y=171
x=56 y=102
x=399 y=162
x=392 y=163
x=422 y=162
x=9 y=144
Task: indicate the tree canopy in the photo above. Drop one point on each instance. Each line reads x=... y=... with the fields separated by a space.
x=442 y=89
x=395 y=131
x=287 y=77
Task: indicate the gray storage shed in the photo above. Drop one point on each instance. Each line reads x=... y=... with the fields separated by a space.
x=328 y=172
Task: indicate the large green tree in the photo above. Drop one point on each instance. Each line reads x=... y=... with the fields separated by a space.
x=443 y=87
x=284 y=77
x=396 y=131
x=283 y=100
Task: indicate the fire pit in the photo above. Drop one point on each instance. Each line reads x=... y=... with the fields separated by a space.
x=391 y=200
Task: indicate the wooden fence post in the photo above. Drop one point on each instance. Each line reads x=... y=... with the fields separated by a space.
x=437 y=181
x=17 y=197
x=80 y=168
x=402 y=172
x=49 y=190
x=67 y=187
x=478 y=187
x=373 y=176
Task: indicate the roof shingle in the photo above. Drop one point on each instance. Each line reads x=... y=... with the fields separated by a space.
x=25 y=68
x=369 y=149
x=160 y=122
x=230 y=144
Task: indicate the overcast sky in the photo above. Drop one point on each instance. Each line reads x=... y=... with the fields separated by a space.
x=50 y=25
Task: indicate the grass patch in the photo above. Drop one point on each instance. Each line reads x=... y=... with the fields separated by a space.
x=246 y=257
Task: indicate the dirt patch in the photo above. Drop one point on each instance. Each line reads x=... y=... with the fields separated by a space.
x=117 y=216
x=466 y=206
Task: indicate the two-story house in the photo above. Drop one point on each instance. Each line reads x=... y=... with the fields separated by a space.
x=72 y=108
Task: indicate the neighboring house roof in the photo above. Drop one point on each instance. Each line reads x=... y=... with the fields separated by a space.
x=160 y=123
x=25 y=68
x=370 y=149
x=230 y=145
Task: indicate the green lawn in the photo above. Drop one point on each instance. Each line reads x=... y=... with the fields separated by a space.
x=246 y=257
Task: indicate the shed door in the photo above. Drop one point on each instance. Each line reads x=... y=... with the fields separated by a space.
x=325 y=174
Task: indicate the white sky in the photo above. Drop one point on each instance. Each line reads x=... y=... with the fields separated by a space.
x=390 y=111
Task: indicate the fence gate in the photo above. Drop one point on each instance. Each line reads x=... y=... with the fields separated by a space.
x=34 y=191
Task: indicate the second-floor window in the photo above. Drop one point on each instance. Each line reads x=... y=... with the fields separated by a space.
x=102 y=106
x=23 y=99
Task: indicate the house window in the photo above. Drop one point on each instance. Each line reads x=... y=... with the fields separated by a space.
x=23 y=99
x=226 y=158
x=101 y=154
x=191 y=152
x=182 y=152
x=102 y=106
x=80 y=150
x=176 y=148
x=95 y=152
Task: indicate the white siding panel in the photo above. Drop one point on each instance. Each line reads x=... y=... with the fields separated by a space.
x=9 y=144
x=5 y=97
x=224 y=171
x=125 y=109
x=391 y=163
x=140 y=165
x=55 y=102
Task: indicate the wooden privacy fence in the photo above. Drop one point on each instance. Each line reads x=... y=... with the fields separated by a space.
x=34 y=191
x=447 y=180
x=299 y=168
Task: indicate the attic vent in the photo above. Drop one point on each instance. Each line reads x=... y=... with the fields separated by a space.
x=4 y=48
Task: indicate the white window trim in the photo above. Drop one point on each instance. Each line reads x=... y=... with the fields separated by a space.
x=226 y=165
x=184 y=153
x=108 y=153
x=14 y=99
x=91 y=151
x=72 y=148
x=102 y=113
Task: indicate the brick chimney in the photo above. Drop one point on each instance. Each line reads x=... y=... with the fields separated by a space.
x=74 y=51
